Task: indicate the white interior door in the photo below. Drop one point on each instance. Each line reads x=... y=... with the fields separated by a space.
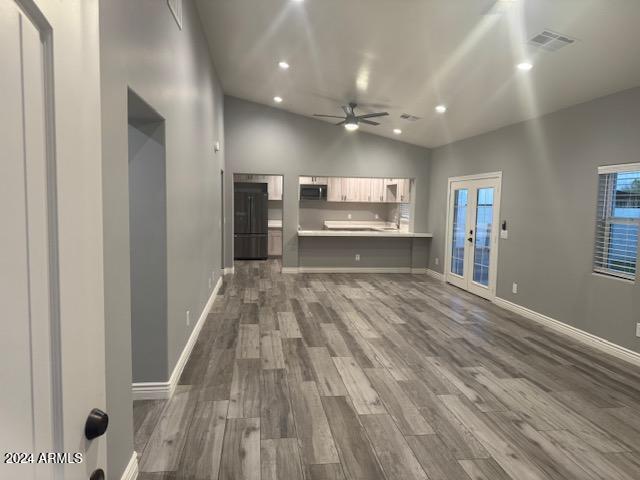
x=472 y=234
x=25 y=407
x=48 y=388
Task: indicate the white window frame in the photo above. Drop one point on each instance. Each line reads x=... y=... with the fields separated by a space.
x=609 y=273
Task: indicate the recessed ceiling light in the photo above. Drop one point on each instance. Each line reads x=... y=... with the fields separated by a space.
x=277 y=99
x=283 y=65
x=441 y=108
x=525 y=66
x=397 y=131
x=351 y=126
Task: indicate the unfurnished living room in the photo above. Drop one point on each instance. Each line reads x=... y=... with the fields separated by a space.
x=319 y=239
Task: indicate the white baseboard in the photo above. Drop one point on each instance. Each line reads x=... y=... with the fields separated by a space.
x=131 y=471
x=353 y=270
x=436 y=275
x=418 y=271
x=151 y=390
x=164 y=390
x=289 y=269
x=229 y=270
x=573 y=332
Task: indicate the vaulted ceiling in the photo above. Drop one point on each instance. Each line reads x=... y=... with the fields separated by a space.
x=407 y=56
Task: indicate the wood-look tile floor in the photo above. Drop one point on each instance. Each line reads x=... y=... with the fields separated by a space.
x=397 y=377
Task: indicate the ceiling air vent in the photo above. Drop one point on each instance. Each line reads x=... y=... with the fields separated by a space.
x=409 y=118
x=551 y=41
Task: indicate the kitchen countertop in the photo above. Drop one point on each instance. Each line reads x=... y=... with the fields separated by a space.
x=362 y=233
x=275 y=224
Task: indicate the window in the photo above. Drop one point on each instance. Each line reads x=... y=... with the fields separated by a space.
x=617 y=221
x=404 y=211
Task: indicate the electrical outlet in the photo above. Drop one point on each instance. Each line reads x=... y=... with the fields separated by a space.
x=349 y=216
x=357 y=257
x=188 y=318
x=637 y=329
x=514 y=289
x=377 y=217
x=437 y=261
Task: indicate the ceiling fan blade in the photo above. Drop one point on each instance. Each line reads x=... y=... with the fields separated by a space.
x=368 y=122
x=326 y=116
x=342 y=122
x=373 y=115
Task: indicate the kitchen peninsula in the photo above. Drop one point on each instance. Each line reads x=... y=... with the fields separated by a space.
x=359 y=225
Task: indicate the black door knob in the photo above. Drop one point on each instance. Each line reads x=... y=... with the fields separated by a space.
x=97 y=475
x=96 y=424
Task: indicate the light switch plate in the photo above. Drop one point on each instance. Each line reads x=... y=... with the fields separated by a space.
x=637 y=329
x=514 y=288
x=504 y=234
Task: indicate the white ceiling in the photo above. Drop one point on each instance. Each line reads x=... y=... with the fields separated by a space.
x=407 y=56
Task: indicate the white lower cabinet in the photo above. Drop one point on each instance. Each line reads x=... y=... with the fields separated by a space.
x=275 y=243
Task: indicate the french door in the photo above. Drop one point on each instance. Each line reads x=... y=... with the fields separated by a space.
x=472 y=233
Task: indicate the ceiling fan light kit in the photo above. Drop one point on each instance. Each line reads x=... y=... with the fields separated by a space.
x=351 y=121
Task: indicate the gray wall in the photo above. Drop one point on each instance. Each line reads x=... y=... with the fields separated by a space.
x=265 y=140
x=148 y=247
x=142 y=48
x=340 y=252
x=314 y=213
x=549 y=190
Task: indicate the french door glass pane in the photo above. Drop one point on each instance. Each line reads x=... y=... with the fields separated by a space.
x=482 y=246
x=459 y=231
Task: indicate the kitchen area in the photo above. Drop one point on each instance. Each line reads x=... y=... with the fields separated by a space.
x=341 y=224
x=358 y=224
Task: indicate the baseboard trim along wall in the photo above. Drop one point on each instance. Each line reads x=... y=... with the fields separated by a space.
x=131 y=471
x=289 y=269
x=573 y=332
x=164 y=390
x=229 y=270
x=434 y=274
x=417 y=271
x=354 y=270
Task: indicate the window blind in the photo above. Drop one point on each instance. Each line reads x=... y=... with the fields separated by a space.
x=404 y=211
x=617 y=221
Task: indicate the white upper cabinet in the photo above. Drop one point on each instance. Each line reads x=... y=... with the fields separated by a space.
x=376 y=190
x=373 y=190
x=334 y=189
x=397 y=190
x=274 y=187
x=274 y=183
x=351 y=189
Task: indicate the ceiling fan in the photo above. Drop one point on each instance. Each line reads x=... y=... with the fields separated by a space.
x=352 y=121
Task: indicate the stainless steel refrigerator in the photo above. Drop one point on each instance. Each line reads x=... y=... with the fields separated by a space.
x=250 y=221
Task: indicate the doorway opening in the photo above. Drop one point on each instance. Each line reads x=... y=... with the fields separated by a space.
x=257 y=218
x=472 y=233
x=148 y=241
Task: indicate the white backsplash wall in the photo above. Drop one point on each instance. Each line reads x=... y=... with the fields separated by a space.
x=313 y=213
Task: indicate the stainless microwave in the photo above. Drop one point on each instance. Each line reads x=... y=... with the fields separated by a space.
x=313 y=192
